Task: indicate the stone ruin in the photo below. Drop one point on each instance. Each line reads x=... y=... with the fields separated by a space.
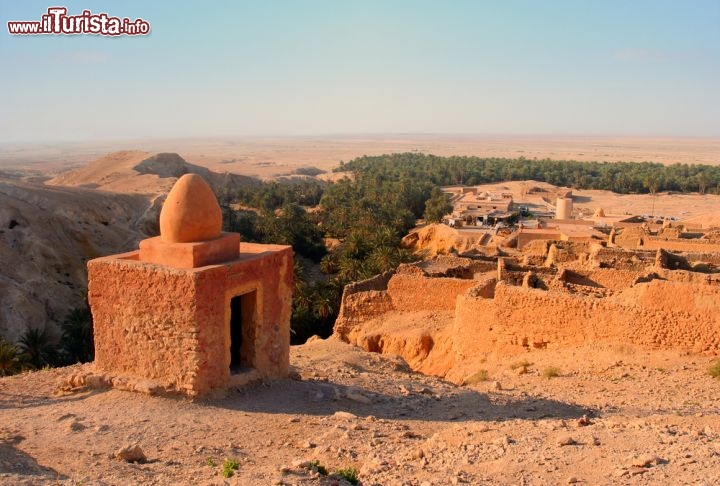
x=193 y=310
x=446 y=316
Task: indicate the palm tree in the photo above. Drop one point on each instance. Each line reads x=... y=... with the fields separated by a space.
x=38 y=348
x=77 y=336
x=329 y=263
x=9 y=358
x=323 y=305
x=352 y=270
x=384 y=258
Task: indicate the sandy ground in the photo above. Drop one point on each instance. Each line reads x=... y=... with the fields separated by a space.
x=652 y=418
x=271 y=156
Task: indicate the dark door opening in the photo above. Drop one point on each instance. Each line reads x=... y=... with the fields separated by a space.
x=242 y=332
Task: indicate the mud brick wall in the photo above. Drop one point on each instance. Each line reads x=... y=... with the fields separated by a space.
x=172 y=326
x=656 y=313
x=413 y=293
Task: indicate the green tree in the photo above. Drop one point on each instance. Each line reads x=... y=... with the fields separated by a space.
x=437 y=206
x=10 y=362
x=77 y=343
x=38 y=348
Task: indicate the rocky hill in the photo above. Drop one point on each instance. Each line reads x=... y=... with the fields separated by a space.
x=142 y=172
x=49 y=231
x=47 y=234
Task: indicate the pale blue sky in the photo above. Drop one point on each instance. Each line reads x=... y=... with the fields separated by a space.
x=543 y=67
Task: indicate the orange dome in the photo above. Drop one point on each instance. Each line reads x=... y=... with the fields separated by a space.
x=191 y=212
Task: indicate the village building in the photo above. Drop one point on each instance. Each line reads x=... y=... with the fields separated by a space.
x=472 y=207
x=193 y=310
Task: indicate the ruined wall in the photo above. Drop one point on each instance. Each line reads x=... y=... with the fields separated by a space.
x=448 y=326
x=620 y=259
x=604 y=277
x=378 y=282
x=362 y=301
x=413 y=293
x=656 y=313
x=695 y=245
x=360 y=307
x=527 y=236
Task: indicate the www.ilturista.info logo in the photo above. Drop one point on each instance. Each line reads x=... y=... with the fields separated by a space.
x=57 y=21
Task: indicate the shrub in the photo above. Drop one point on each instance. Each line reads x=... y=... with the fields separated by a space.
x=319 y=468
x=522 y=366
x=714 y=369
x=477 y=377
x=349 y=474
x=551 y=372
x=229 y=467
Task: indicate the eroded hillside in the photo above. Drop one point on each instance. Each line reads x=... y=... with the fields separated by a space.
x=49 y=231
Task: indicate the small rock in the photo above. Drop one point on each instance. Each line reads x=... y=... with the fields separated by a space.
x=294 y=420
x=344 y=415
x=646 y=460
x=131 y=453
x=76 y=426
x=495 y=385
x=572 y=480
x=584 y=421
x=566 y=440
x=358 y=397
x=502 y=440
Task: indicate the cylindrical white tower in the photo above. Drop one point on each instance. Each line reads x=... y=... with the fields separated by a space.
x=564 y=208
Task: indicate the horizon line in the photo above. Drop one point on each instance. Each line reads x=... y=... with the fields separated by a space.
x=350 y=135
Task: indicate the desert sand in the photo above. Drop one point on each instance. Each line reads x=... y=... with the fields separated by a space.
x=267 y=157
x=652 y=418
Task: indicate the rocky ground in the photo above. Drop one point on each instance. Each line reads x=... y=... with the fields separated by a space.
x=618 y=415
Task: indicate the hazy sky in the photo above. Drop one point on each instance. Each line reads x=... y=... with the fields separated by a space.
x=602 y=67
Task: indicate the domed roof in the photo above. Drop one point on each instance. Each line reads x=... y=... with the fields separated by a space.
x=599 y=213
x=191 y=212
